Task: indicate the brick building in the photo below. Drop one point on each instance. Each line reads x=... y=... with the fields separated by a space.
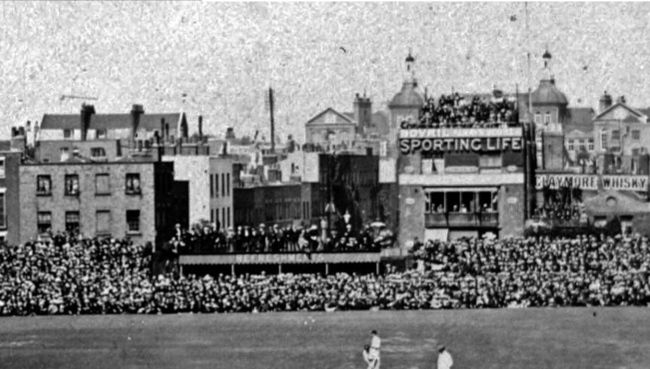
x=113 y=199
x=210 y=186
x=11 y=153
x=284 y=204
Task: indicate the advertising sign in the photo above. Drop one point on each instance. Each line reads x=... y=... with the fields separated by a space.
x=592 y=182
x=476 y=144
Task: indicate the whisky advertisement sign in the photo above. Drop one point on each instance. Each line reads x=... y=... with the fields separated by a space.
x=592 y=182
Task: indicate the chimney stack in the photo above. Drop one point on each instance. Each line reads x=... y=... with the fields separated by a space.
x=605 y=102
x=86 y=112
x=136 y=111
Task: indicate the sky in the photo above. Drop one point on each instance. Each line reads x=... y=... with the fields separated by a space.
x=219 y=59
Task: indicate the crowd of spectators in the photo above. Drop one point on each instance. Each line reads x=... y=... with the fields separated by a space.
x=561 y=205
x=474 y=273
x=71 y=276
x=276 y=239
x=457 y=111
x=561 y=213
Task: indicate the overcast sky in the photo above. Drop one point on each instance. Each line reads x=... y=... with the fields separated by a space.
x=224 y=56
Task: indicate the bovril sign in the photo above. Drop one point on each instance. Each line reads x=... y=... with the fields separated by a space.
x=592 y=182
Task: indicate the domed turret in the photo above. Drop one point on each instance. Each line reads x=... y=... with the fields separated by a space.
x=547 y=94
x=408 y=96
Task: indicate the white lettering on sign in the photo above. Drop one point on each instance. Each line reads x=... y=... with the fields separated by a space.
x=476 y=144
x=592 y=182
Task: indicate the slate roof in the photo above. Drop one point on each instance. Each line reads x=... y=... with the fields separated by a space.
x=148 y=122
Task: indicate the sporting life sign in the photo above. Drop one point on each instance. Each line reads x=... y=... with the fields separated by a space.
x=592 y=182
x=460 y=140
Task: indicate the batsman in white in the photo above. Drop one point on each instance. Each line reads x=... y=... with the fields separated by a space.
x=444 y=358
x=370 y=359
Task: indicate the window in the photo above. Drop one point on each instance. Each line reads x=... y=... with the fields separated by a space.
x=43 y=185
x=103 y=222
x=67 y=134
x=228 y=216
x=616 y=135
x=223 y=184
x=590 y=144
x=216 y=185
x=547 y=118
x=71 y=185
x=102 y=184
x=65 y=153
x=3 y=211
x=97 y=152
x=211 y=187
x=227 y=184
x=100 y=134
x=603 y=139
x=2 y=166
x=538 y=118
x=636 y=135
x=490 y=161
x=133 y=183
x=44 y=221
x=133 y=221
x=72 y=221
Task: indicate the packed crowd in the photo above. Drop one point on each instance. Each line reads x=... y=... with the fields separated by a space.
x=69 y=276
x=276 y=239
x=538 y=272
x=561 y=213
x=456 y=111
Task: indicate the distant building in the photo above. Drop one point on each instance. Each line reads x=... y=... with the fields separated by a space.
x=284 y=204
x=106 y=137
x=11 y=154
x=113 y=199
x=354 y=131
x=210 y=186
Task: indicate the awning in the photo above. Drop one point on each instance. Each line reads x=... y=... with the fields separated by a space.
x=295 y=258
x=461 y=189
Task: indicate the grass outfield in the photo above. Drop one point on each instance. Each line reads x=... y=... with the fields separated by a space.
x=481 y=339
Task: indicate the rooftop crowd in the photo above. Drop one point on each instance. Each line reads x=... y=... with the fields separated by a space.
x=276 y=239
x=459 y=111
x=71 y=276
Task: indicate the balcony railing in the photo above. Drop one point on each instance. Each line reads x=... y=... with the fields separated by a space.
x=454 y=219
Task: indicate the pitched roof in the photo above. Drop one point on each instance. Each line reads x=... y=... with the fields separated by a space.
x=148 y=122
x=579 y=119
x=319 y=119
x=615 y=106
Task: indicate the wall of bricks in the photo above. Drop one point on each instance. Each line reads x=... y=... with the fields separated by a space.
x=10 y=184
x=87 y=203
